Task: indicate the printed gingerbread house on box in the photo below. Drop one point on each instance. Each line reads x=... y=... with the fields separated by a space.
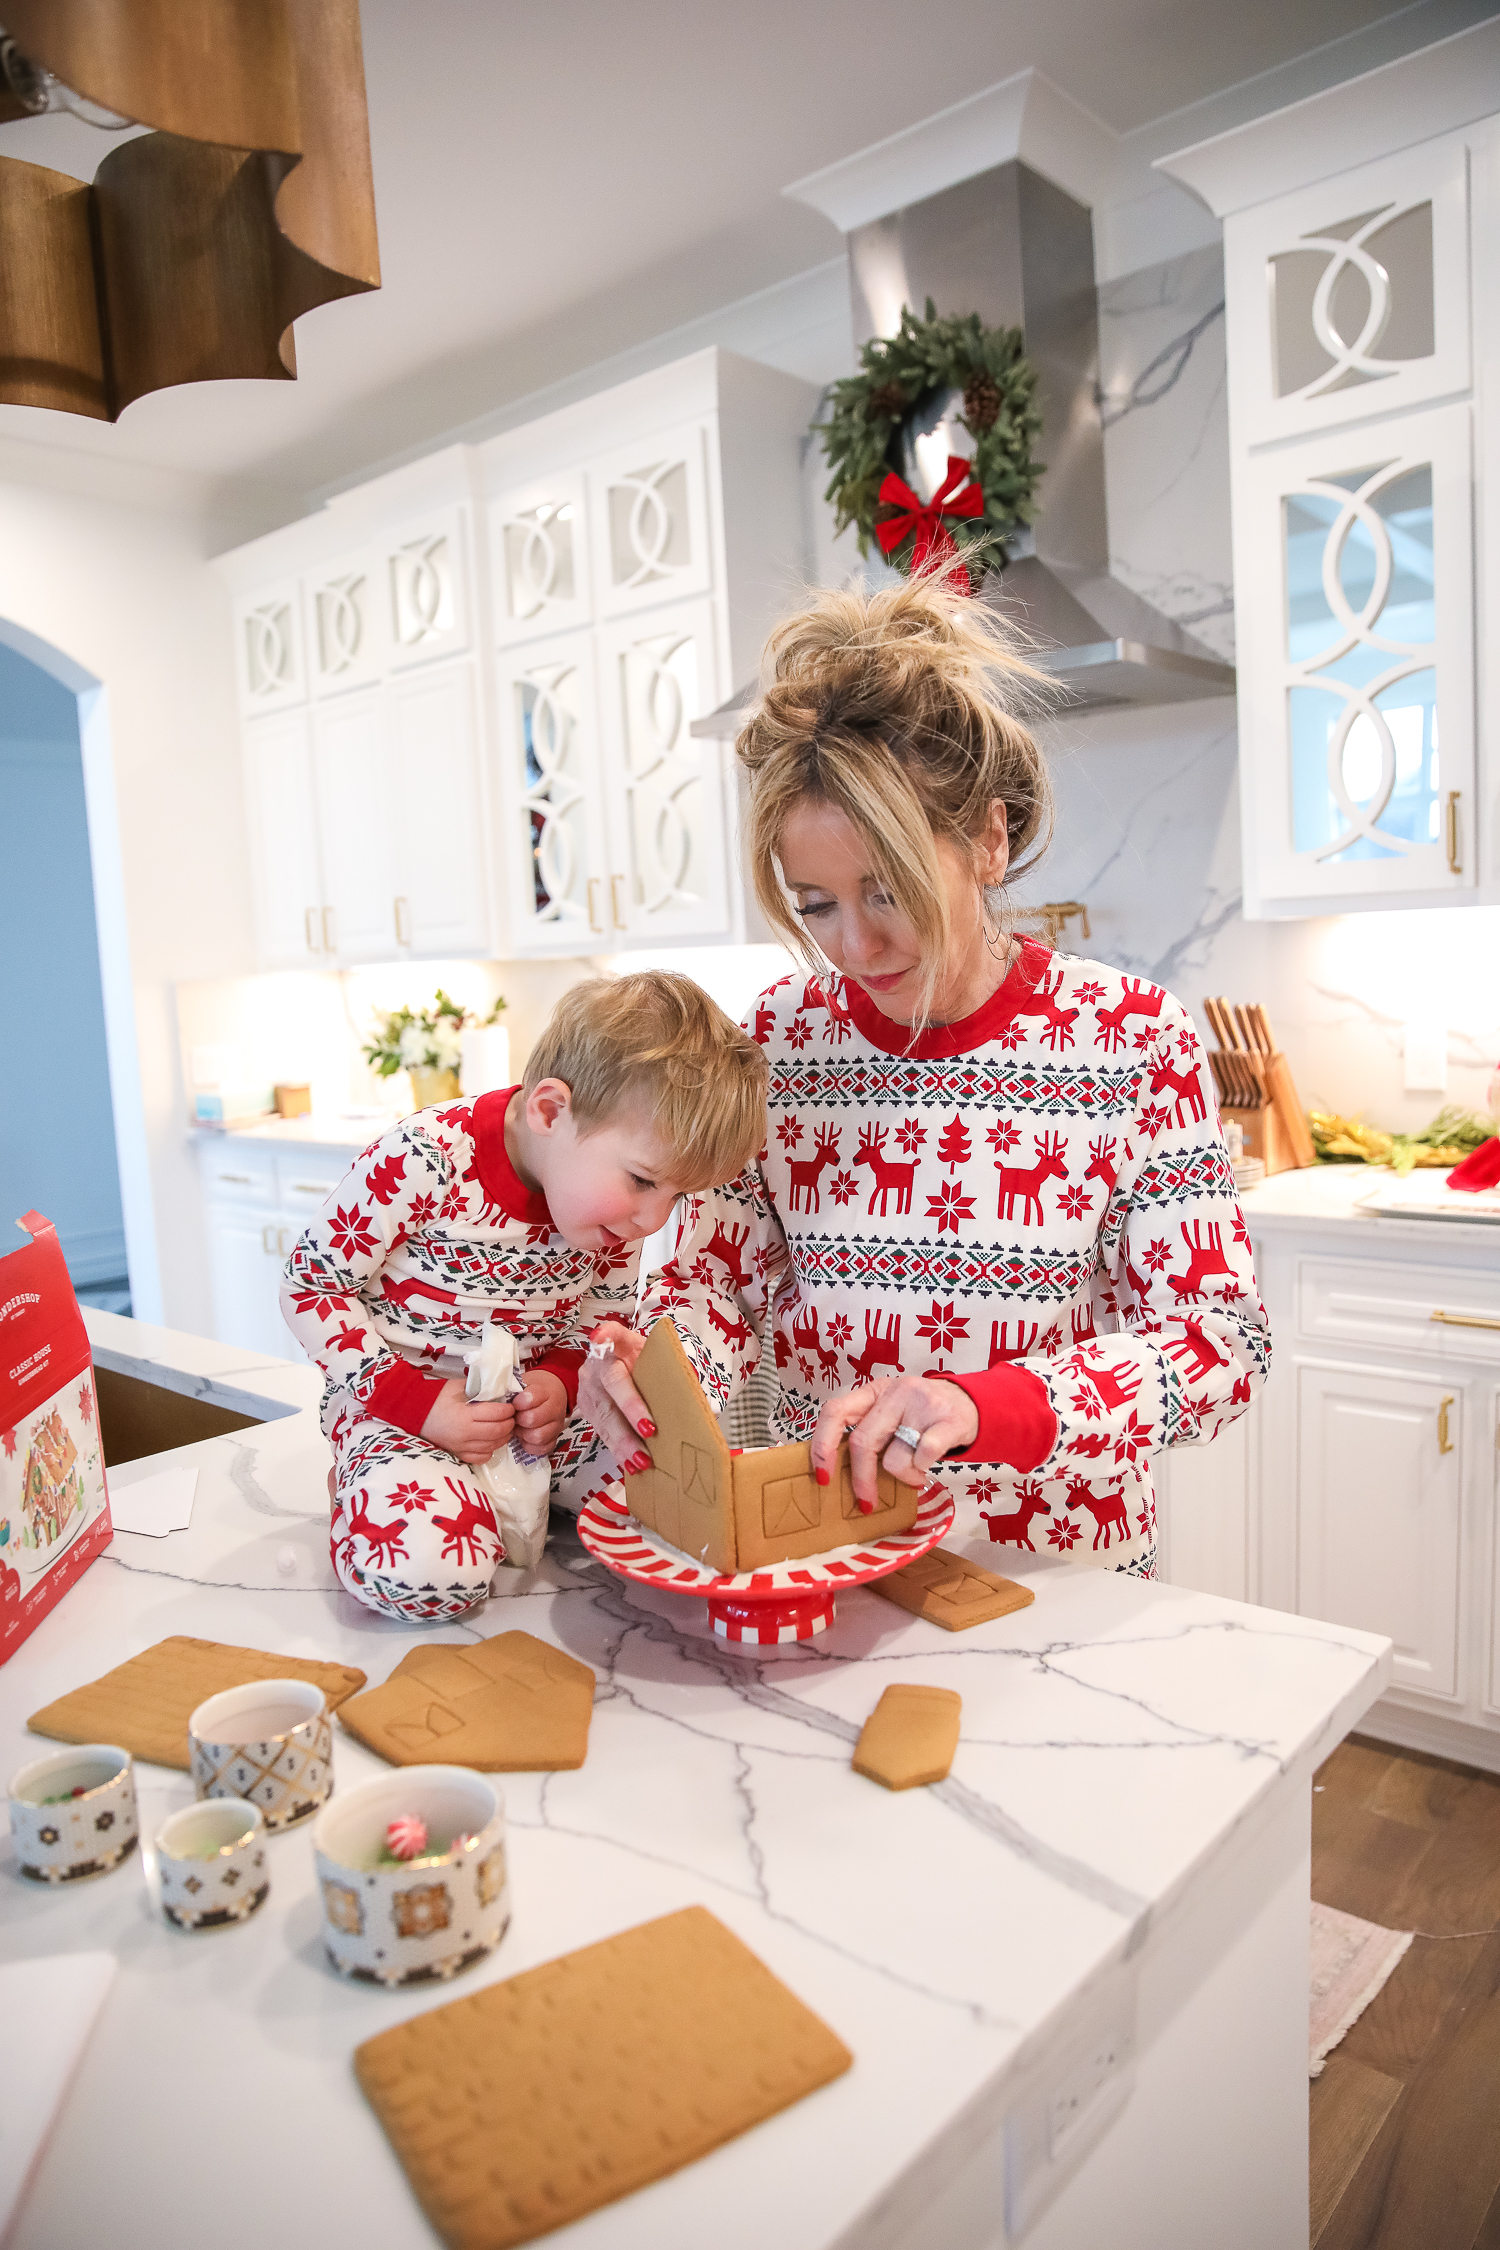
x=741 y=1511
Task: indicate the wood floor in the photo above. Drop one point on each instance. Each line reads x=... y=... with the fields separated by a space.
x=1406 y=2116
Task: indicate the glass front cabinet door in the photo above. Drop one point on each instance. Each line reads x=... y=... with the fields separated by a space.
x=1352 y=441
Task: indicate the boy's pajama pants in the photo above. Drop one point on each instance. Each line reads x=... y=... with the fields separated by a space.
x=413 y=1533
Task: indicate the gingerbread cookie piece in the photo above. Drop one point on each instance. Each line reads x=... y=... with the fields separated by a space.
x=512 y=1704
x=952 y=1592
x=524 y=2106
x=910 y=1737
x=144 y=1704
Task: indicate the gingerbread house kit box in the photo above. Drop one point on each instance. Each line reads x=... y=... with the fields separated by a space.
x=54 y=1508
x=741 y=1511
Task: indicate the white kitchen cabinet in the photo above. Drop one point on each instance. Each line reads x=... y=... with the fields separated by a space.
x=1380 y=1462
x=657 y=674
x=268 y=646
x=288 y=878
x=426 y=585
x=650 y=522
x=539 y=557
x=357 y=823
x=1204 y=1514
x=346 y=625
x=552 y=788
x=257 y=1200
x=435 y=812
x=1359 y=242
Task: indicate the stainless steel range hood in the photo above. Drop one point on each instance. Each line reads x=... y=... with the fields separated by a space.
x=1015 y=248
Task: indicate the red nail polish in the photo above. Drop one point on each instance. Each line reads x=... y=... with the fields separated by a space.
x=647 y=1429
x=821 y=1475
x=867 y=1507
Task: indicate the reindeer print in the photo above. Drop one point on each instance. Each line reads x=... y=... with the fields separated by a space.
x=1136 y=999
x=1106 y=1508
x=1015 y=1530
x=1185 y=1084
x=882 y=1347
x=804 y=1174
x=1057 y=1023
x=890 y=1179
x=1023 y=1183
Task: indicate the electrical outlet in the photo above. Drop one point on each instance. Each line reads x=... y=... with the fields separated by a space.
x=1078 y=2096
x=1425 y=1047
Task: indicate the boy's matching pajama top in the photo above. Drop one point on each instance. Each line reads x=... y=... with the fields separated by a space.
x=426 y=1240
x=1037 y=1201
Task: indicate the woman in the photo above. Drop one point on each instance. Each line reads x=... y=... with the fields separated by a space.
x=994 y=1229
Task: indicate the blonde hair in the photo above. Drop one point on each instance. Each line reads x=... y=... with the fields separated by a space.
x=902 y=708
x=655 y=1041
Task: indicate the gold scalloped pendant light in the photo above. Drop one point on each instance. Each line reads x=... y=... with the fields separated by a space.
x=196 y=245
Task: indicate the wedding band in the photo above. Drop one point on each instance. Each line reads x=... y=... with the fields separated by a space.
x=907 y=1435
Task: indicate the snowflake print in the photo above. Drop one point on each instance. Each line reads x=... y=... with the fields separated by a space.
x=1004 y=1136
x=421 y=1211
x=86 y=1402
x=910 y=1135
x=1156 y=1254
x=841 y=1186
x=948 y=1206
x=538 y=1234
x=1088 y=991
x=350 y=1233
x=942 y=1327
x=1062 y=1532
x=1241 y=1231
x=1144 y=1041
x=1133 y=1439
x=1010 y=1036
x=412 y=1497
x=789 y=1131
x=703 y=1271
x=840 y=1329
x=1144 y=1520
x=798 y=1032
x=1153 y=1119
x=982 y=1489
x=1088 y=1404
x=1185 y=1042
x=1075 y=1202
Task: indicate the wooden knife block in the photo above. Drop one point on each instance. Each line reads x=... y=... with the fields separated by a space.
x=1265 y=1137
x=1277 y=1133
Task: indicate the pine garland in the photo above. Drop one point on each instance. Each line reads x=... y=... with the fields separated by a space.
x=897 y=375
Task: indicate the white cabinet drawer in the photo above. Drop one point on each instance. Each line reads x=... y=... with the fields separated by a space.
x=307 y=1182
x=1398 y=1307
x=235 y=1176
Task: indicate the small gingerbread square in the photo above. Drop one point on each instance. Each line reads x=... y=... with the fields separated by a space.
x=951 y=1591
x=910 y=1737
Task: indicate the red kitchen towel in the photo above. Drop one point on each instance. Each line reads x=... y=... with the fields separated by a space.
x=1479 y=1169
x=54 y=1506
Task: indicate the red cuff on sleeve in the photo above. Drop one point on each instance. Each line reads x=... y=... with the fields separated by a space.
x=1017 y=1424
x=405 y=1396
x=564 y=1363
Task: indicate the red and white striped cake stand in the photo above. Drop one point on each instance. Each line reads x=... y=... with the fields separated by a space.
x=790 y=1601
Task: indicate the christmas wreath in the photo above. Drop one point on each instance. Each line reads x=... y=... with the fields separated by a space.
x=982 y=502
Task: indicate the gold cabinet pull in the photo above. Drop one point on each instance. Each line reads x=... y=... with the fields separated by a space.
x=281 y=1242
x=594 y=922
x=614 y=902
x=268 y=1240
x=1468 y=1319
x=310 y=928
x=236 y=1179
x=1455 y=864
x=329 y=927
x=403 y=922
x=1445 y=1442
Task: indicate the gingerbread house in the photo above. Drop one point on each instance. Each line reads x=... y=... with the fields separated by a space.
x=52 y=1488
x=741 y=1511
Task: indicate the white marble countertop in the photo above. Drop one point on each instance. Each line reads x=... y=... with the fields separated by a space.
x=220 y=1374
x=1120 y=1742
x=1326 y=1198
x=324 y=1130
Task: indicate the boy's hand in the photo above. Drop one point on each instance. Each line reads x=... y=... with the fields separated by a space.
x=470 y=1430
x=609 y=1400
x=541 y=1410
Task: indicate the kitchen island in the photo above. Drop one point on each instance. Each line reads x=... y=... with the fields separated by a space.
x=1073 y=1975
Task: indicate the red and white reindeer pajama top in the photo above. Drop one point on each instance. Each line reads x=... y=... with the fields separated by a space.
x=429 y=1238
x=1037 y=1200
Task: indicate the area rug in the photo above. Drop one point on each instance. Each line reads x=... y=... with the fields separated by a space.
x=1351 y=1960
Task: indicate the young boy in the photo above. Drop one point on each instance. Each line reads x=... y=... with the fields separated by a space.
x=526 y=1207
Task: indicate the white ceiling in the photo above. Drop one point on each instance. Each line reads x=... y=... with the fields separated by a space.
x=557 y=183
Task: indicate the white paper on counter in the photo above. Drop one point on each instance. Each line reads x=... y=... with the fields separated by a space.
x=154 y=1504
x=48 y=2008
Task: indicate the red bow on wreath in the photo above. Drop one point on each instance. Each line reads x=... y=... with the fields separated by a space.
x=932 y=538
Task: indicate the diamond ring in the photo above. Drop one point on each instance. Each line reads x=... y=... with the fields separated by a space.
x=907 y=1435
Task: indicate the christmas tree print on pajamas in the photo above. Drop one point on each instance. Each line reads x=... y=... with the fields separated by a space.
x=427 y=1239
x=1044 y=1187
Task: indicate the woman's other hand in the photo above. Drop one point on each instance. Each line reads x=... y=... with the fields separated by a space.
x=945 y=1418
x=610 y=1402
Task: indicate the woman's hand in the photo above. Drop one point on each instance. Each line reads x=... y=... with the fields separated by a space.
x=469 y=1429
x=541 y=1410
x=945 y=1416
x=609 y=1400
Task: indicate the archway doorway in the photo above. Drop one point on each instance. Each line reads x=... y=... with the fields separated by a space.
x=73 y=1132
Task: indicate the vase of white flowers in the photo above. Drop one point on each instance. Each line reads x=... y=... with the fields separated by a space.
x=426 y=1044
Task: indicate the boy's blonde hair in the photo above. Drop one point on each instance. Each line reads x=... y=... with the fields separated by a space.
x=654 y=1041
x=901 y=709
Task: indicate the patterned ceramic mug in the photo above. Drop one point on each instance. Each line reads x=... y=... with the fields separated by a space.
x=73 y=1814
x=269 y=1742
x=422 y=1919
x=211 y=1861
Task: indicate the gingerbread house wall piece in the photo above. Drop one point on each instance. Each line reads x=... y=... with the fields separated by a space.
x=741 y=1511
